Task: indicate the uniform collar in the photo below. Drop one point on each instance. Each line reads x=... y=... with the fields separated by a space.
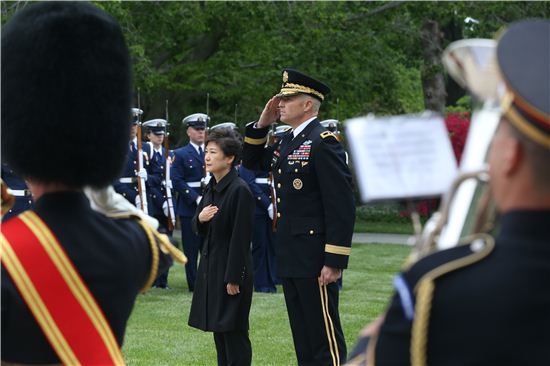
x=302 y=126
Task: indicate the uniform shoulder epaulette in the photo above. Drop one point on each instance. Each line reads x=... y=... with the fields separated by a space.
x=326 y=134
x=470 y=251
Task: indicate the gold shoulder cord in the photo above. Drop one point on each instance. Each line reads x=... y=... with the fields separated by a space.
x=156 y=241
x=424 y=290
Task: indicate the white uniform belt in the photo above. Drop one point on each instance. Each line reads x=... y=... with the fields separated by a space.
x=193 y=184
x=261 y=180
x=127 y=180
x=19 y=192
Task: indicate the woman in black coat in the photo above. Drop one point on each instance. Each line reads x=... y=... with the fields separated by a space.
x=224 y=219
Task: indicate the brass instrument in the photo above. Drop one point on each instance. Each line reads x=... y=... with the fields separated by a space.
x=467 y=208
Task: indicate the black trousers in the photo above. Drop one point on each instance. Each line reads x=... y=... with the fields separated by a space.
x=315 y=322
x=233 y=348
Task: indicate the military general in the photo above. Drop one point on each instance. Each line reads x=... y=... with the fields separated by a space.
x=315 y=214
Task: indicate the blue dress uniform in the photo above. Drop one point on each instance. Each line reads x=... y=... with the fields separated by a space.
x=156 y=186
x=263 y=237
x=187 y=172
x=126 y=184
x=18 y=188
x=315 y=218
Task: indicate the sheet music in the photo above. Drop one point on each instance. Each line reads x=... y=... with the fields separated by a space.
x=408 y=156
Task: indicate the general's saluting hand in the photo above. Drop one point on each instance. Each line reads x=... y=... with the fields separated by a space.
x=208 y=213
x=270 y=114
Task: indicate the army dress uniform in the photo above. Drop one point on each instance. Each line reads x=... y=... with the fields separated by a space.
x=17 y=188
x=315 y=218
x=187 y=172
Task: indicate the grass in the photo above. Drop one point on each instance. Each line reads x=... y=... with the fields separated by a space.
x=366 y=226
x=158 y=333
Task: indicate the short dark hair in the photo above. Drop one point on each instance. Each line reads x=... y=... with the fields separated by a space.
x=65 y=68
x=537 y=155
x=229 y=140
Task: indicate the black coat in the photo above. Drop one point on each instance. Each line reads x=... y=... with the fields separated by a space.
x=112 y=256
x=315 y=205
x=225 y=257
x=490 y=306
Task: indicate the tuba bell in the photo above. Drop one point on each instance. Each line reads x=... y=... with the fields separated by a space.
x=467 y=209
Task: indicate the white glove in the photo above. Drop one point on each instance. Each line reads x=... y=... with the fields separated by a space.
x=138 y=201
x=107 y=201
x=142 y=173
x=206 y=179
x=165 y=208
x=270 y=211
x=168 y=184
x=198 y=200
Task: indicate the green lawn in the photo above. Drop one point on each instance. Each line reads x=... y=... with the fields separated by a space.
x=158 y=333
x=365 y=226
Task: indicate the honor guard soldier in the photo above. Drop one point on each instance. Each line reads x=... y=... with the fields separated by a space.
x=127 y=184
x=487 y=302
x=263 y=237
x=187 y=172
x=70 y=275
x=17 y=188
x=315 y=214
x=156 y=181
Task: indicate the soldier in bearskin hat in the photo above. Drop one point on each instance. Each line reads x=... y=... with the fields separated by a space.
x=70 y=275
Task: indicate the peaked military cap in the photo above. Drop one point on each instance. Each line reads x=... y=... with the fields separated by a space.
x=294 y=82
x=331 y=124
x=523 y=55
x=229 y=125
x=196 y=120
x=55 y=89
x=156 y=126
x=136 y=113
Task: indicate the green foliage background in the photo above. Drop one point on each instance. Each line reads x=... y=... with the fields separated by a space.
x=370 y=53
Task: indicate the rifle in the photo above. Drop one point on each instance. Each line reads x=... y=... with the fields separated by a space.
x=204 y=180
x=142 y=191
x=167 y=180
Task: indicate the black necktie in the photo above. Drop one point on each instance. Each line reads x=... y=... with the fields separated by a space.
x=132 y=146
x=201 y=153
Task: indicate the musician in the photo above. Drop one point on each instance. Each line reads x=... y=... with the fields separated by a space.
x=187 y=172
x=127 y=184
x=70 y=275
x=156 y=181
x=18 y=188
x=315 y=214
x=486 y=302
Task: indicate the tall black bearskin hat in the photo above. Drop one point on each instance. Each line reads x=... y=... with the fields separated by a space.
x=65 y=71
